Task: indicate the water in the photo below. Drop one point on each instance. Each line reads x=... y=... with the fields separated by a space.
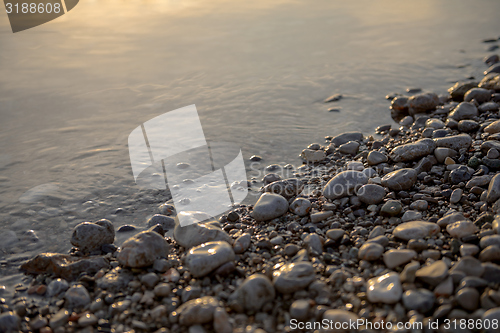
x=73 y=89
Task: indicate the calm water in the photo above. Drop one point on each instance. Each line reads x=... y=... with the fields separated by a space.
x=73 y=89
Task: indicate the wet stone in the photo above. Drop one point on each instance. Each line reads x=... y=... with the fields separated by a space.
x=399 y=180
x=385 y=289
x=142 y=250
x=346 y=137
x=206 y=257
x=89 y=236
x=269 y=206
x=199 y=233
x=293 y=277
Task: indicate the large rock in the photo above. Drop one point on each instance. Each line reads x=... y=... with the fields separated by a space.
x=412 y=151
x=199 y=233
x=422 y=103
x=464 y=110
x=415 y=230
x=493 y=193
x=252 y=294
x=269 y=206
x=205 y=258
x=197 y=311
x=385 y=289
x=455 y=142
x=293 y=277
x=142 y=249
x=344 y=184
x=89 y=236
x=346 y=137
x=400 y=180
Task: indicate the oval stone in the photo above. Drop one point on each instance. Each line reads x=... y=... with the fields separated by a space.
x=400 y=180
x=205 y=258
x=344 y=184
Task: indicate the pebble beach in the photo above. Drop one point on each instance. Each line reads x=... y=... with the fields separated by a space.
x=393 y=232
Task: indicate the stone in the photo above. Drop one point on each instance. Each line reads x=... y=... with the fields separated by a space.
x=479 y=181
x=415 y=230
x=167 y=209
x=269 y=206
x=375 y=157
x=313 y=155
x=461 y=229
x=481 y=95
x=77 y=297
x=468 y=250
x=488 y=107
x=10 y=322
x=434 y=123
x=340 y=317
x=59 y=319
x=166 y=222
x=411 y=215
x=400 y=180
x=464 y=110
x=496 y=224
x=468 y=125
x=89 y=236
x=346 y=137
x=450 y=218
x=371 y=194
x=314 y=243
x=460 y=174
x=456 y=196
x=221 y=321
x=495 y=68
x=468 y=298
x=406 y=121
x=242 y=243
x=490 y=253
x=493 y=153
x=445 y=288
x=87 y=320
x=343 y=184
x=197 y=311
x=57 y=287
x=205 y=258
x=300 y=309
x=293 y=277
x=442 y=153
x=199 y=233
x=271 y=178
x=408 y=273
x=384 y=289
x=162 y=290
x=458 y=91
x=320 y=216
x=468 y=265
x=115 y=280
x=489 y=317
x=421 y=300
x=493 y=193
x=150 y=280
x=370 y=251
x=350 y=148
x=434 y=273
x=142 y=250
x=422 y=103
x=413 y=151
x=300 y=207
x=489 y=240
x=335 y=234
x=252 y=294
x=287 y=188
x=455 y=142
x=391 y=208
x=395 y=258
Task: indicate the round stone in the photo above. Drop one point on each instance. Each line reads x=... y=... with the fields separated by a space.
x=391 y=208
x=468 y=298
x=142 y=249
x=269 y=206
x=205 y=258
x=434 y=273
x=464 y=110
x=481 y=95
x=252 y=294
x=242 y=243
x=460 y=174
x=400 y=180
x=467 y=125
x=461 y=229
x=350 y=148
x=375 y=157
x=293 y=277
x=199 y=233
x=370 y=251
x=166 y=222
x=395 y=258
x=344 y=184
x=300 y=207
x=89 y=236
x=197 y=311
x=9 y=322
x=421 y=300
x=371 y=194
x=385 y=289
x=77 y=297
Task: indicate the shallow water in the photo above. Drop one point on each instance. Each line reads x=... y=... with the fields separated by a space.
x=73 y=89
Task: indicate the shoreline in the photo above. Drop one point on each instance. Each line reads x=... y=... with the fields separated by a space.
x=391 y=230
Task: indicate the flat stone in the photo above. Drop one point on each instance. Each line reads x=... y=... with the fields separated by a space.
x=411 y=215
x=479 y=181
x=413 y=151
x=205 y=258
x=371 y=194
x=468 y=125
x=89 y=236
x=450 y=218
x=464 y=110
x=384 y=289
x=375 y=157
x=493 y=193
x=142 y=249
x=490 y=253
x=421 y=300
x=434 y=273
x=293 y=277
x=199 y=233
x=456 y=196
x=344 y=184
x=197 y=311
x=166 y=222
x=442 y=153
x=489 y=240
x=300 y=207
x=370 y=251
x=493 y=128
x=313 y=155
x=346 y=137
x=400 y=180
x=468 y=265
x=350 y=148
x=461 y=229
x=252 y=294
x=335 y=234
x=415 y=230
x=458 y=91
x=269 y=206
x=395 y=258
x=455 y=142
x=320 y=216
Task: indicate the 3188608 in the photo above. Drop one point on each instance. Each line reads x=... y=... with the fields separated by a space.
x=32 y=8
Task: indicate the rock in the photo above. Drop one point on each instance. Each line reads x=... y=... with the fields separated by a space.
x=460 y=174
x=489 y=317
x=450 y=218
x=415 y=230
x=411 y=215
x=468 y=298
x=350 y=148
x=468 y=250
x=434 y=123
x=370 y=251
x=346 y=137
x=335 y=234
x=9 y=322
x=342 y=318
x=481 y=95
x=395 y=258
x=89 y=236
x=166 y=222
x=461 y=229
x=434 y=273
x=464 y=110
x=271 y=178
x=412 y=151
x=493 y=193
x=456 y=196
x=115 y=280
x=488 y=107
x=242 y=243
x=490 y=253
x=467 y=125
x=313 y=155
x=300 y=309
x=406 y=121
x=400 y=180
x=87 y=320
x=199 y=233
x=300 y=207
x=59 y=319
x=333 y=98
x=495 y=68
x=455 y=142
x=422 y=103
x=421 y=300
x=491 y=81
x=344 y=184
x=205 y=258
x=150 y=280
x=489 y=240
x=57 y=287
x=167 y=209
x=375 y=157
x=491 y=272
x=221 y=321
x=408 y=273
x=287 y=188
x=493 y=153
x=197 y=311
x=384 y=289
x=314 y=243
x=371 y=194
x=77 y=297
x=479 y=181
x=468 y=265
x=391 y=208
x=445 y=288
x=252 y=294
x=293 y=277
x=269 y=206
x=442 y=153
x=142 y=249
x=458 y=91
